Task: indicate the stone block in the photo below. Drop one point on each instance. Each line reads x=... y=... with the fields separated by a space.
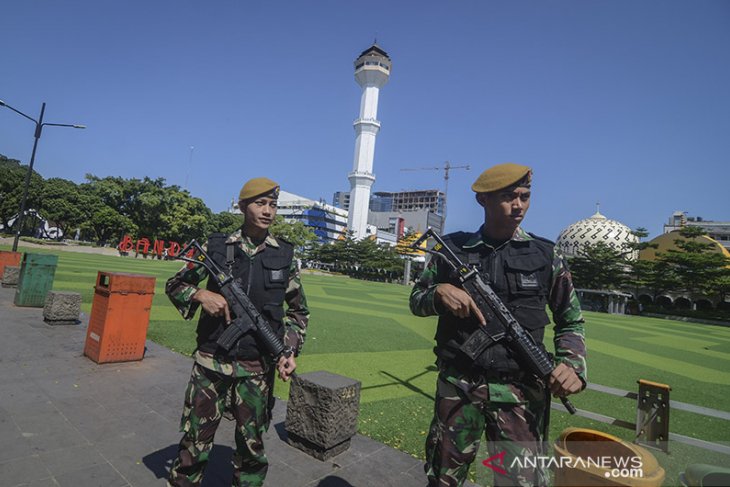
x=11 y=274
x=62 y=308
x=322 y=412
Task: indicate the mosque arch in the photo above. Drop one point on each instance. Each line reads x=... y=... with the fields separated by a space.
x=704 y=304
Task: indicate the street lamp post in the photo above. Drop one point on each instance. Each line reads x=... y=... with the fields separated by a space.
x=38 y=129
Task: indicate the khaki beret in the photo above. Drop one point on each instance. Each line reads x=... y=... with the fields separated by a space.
x=501 y=176
x=258 y=187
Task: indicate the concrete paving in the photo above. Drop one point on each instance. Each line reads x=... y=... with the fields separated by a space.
x=67 y=421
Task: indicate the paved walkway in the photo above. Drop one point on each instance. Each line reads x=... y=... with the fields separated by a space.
x=67 y=421
x=66 y=247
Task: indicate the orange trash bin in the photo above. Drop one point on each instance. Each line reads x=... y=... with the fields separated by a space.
x=8 y=258
x=120 y=315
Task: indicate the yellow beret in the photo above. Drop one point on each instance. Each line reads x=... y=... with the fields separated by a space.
x=258 y=187
x=501 y=176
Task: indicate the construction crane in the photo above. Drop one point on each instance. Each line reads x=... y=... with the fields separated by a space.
x=445 y=168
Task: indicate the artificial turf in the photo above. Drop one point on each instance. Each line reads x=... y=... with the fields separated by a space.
x=364 y=330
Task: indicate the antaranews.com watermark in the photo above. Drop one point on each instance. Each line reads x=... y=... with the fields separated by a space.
x=625 y=467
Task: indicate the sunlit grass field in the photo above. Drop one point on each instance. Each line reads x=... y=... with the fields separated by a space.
x=365 y=331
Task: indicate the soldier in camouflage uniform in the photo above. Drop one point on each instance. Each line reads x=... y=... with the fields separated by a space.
x=495 y=395
x=238 y=384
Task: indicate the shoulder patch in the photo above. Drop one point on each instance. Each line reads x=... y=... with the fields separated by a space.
x=457 y=238
x=546 y=246
x=216 y=247
x=543 y=239
x=217 y=235
x=284 y=241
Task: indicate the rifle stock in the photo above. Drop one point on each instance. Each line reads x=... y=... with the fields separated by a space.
x=517 y=339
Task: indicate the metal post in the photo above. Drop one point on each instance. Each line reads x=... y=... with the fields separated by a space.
x=19 y=220
x=38 y=129
x=407 y=272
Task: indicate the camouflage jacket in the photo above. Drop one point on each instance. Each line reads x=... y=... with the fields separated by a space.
x=569 y=332
x=181 y=287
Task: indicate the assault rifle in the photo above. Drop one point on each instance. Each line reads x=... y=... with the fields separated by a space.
x=245 y=317
x=515 y=337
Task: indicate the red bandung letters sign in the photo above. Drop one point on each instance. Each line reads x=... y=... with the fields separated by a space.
x=142 y=246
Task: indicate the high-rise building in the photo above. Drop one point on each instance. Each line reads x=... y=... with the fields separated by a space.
x=341 y=199
x=372 y=70
x=415 y=210
x=427 y=199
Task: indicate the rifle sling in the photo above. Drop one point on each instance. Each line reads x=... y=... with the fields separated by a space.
x=230 y=257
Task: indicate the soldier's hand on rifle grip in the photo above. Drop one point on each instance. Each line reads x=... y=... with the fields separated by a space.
x=564 y=381
x=286 y=367
x=458 y=302
x=213 y=303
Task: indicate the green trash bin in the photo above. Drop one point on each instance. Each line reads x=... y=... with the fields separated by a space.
x=35 y=280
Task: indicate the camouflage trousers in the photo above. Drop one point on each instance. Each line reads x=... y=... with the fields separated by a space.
x=209 y=397
x=463 y=412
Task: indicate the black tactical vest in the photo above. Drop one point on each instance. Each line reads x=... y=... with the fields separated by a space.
x=520 y=273
x=264 y=278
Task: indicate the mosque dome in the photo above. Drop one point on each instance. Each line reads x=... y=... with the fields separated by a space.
x=595 y=229
x=668 y=241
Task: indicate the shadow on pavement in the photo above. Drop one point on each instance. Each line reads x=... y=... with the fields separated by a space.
x=281 y=431
x=333 y=481
x=218 y=473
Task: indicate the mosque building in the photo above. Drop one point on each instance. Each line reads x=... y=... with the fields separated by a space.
x=589 y=231
x=594 y=229
x=668 y=242
x=598 y=228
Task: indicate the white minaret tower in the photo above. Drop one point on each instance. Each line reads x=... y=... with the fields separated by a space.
x=372 y=69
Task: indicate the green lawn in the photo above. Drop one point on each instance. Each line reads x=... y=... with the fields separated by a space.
x=364 y=330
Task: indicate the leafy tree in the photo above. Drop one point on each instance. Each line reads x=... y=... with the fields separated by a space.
x=64 y=205
x=638 y=271
x=698 y=269
x=723 y=285
x=598 y=266
x=659 y=278
x=12 y=181
x=147 y=207
x=110 y=191
x=106 y=223
x=156 y=210
x=364 y=259
x=341 y=253
x=225 y=222
x=296 y=233
x=183 y=216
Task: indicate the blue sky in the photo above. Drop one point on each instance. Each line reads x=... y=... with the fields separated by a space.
x=626 y=103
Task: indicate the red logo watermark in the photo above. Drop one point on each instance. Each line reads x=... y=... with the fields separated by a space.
x=497 y=468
